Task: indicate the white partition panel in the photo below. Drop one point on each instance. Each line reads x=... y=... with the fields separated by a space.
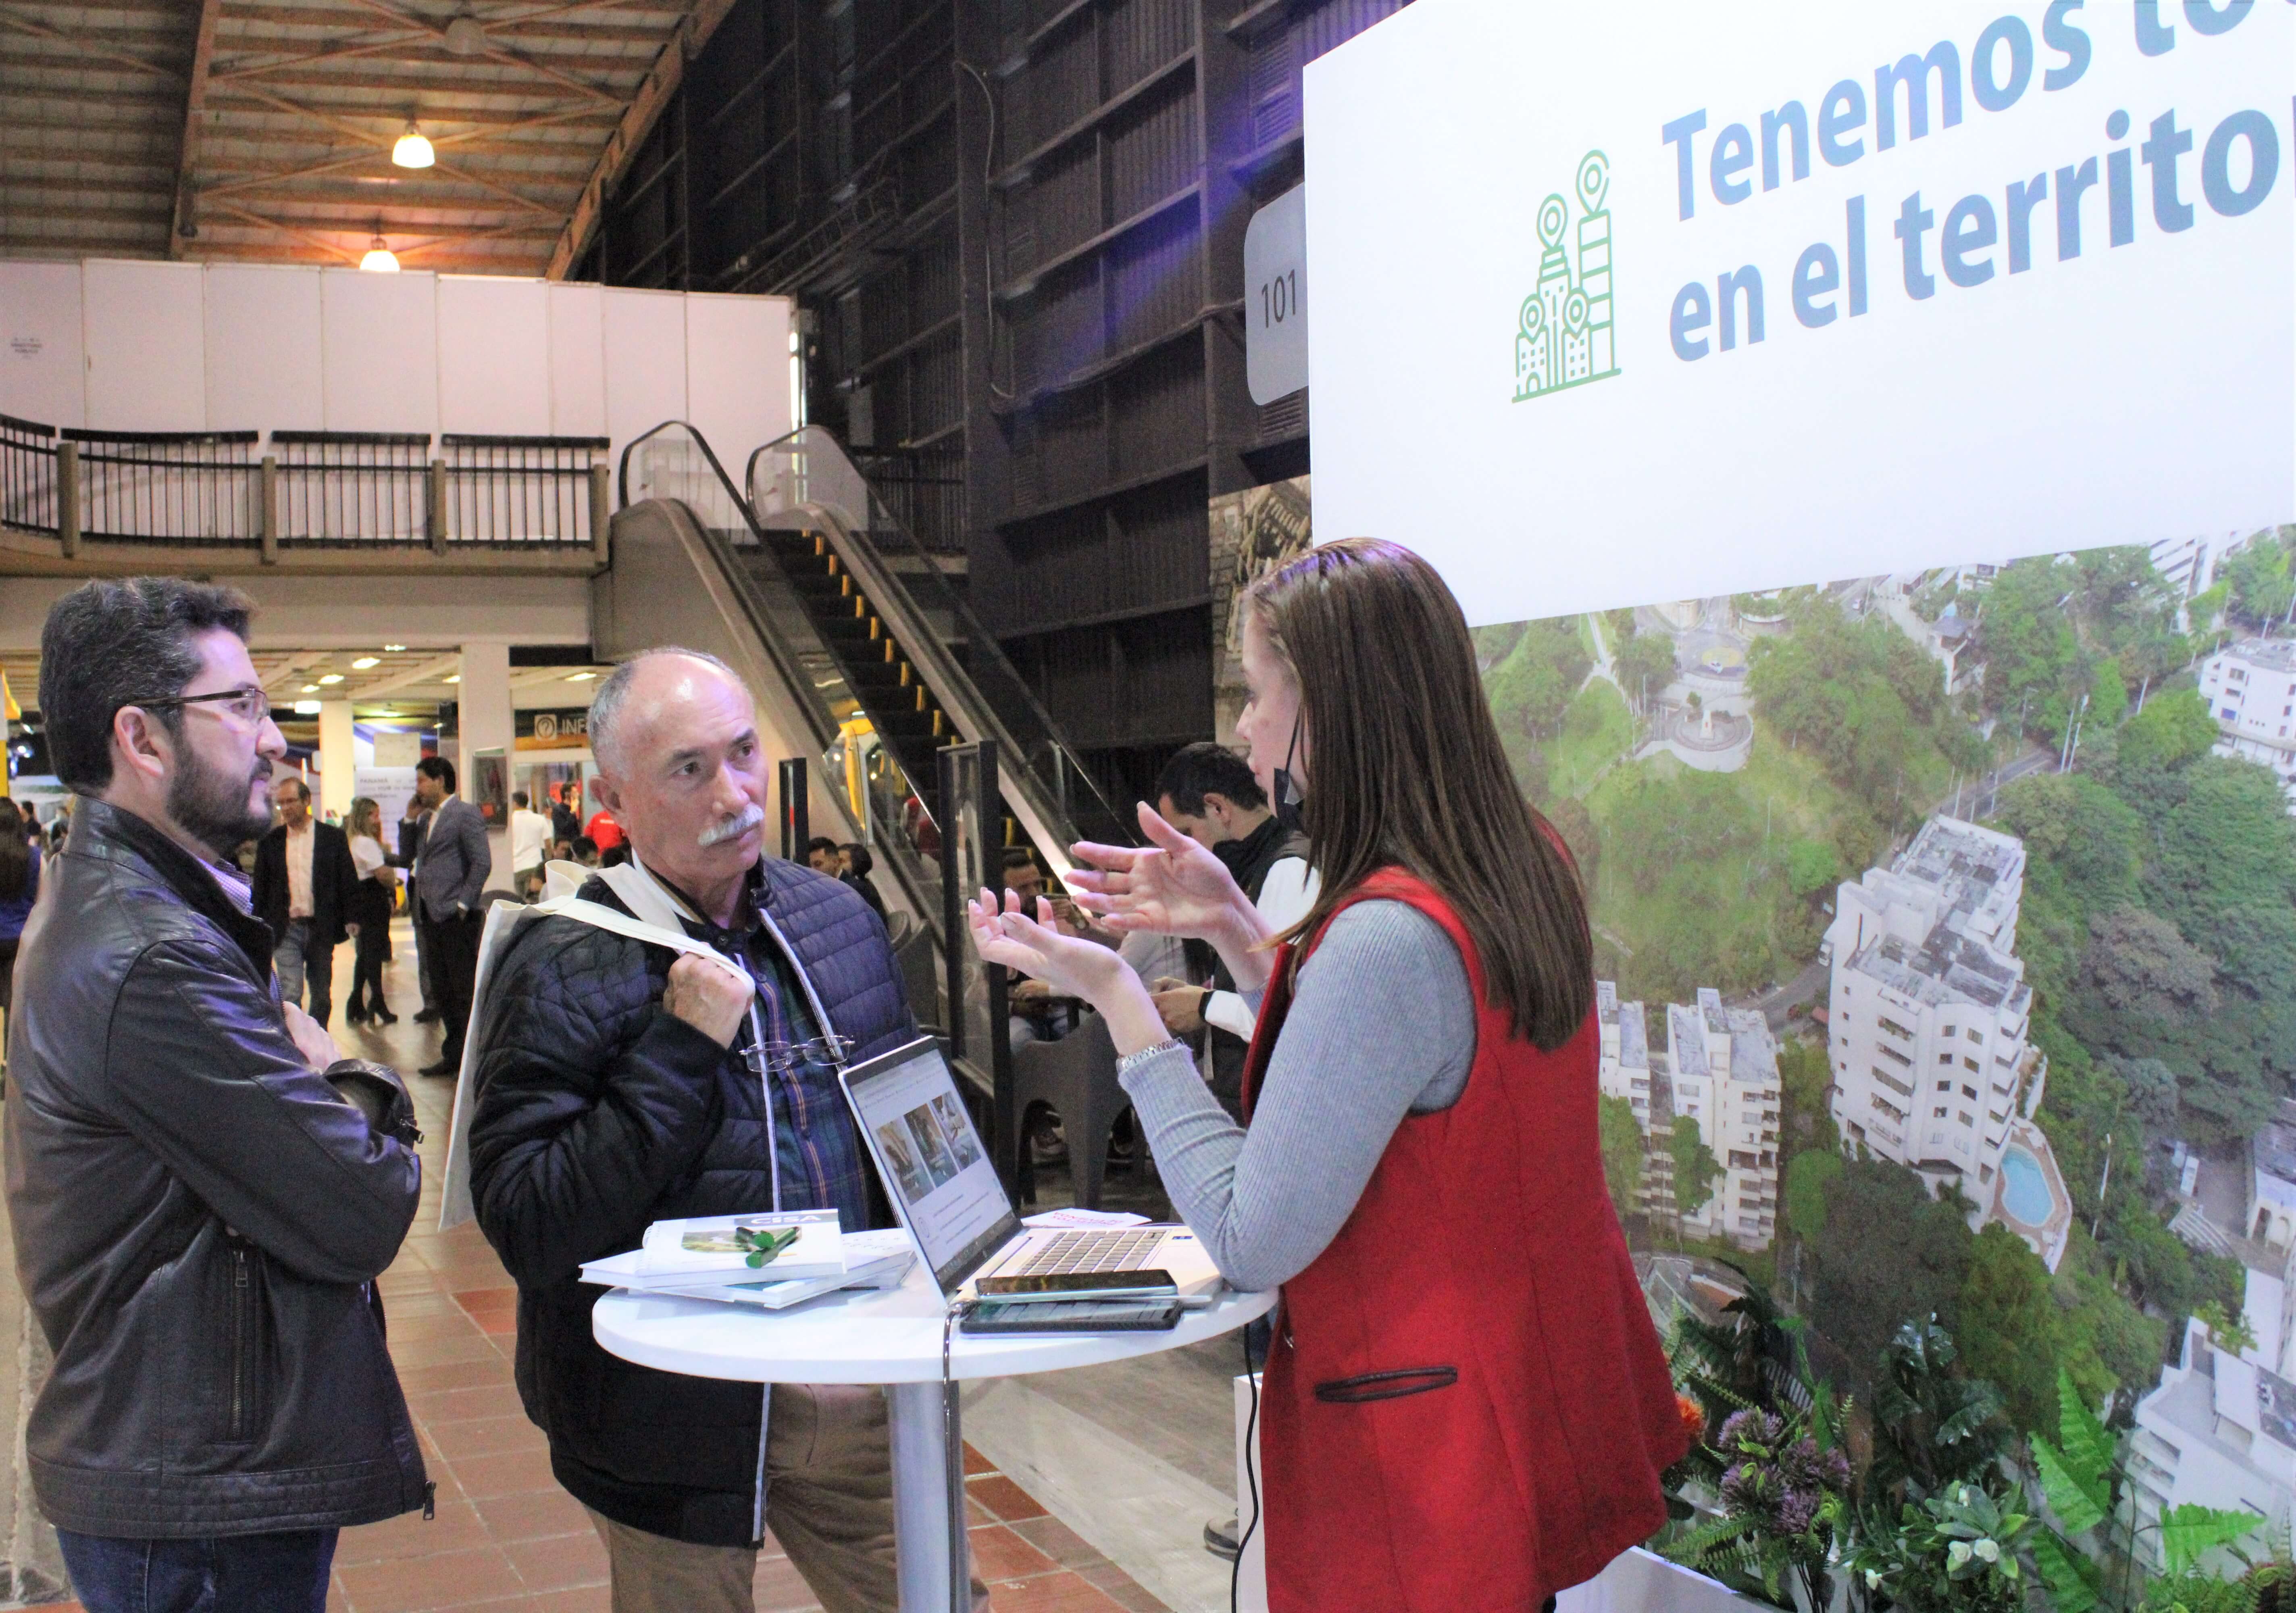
x=737 y=390
x=494 y=355
x=379 y=343
x=646 y=362
x=43 y=376
x=262 y=348
x=577 y=361
x=142 y=324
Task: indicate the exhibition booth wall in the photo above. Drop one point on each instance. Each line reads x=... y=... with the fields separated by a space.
x=1864 y=443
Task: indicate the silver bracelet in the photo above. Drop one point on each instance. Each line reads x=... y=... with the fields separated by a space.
x=1133 y=1061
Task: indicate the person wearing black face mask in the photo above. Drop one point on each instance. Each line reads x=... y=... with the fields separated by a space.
x=1207 y=792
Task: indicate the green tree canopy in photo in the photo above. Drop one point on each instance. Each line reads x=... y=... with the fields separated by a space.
x=1888 y=1253
x=1694 y=1167
x=2015 y=1333
x=1533 y=686
x=1643 y=666
x=2258 y=575
x=1622 y=1155
x=1808 y=1174
x=2174 y=728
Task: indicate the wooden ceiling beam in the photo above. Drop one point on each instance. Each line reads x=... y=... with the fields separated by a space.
x=645 y=110
x=497 y=55
x=246 y=24
x=89 y=48
x=368 y=137
x=186 y=223
x=484 y=125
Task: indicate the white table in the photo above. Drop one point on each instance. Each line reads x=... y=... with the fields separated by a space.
x=893 y=1338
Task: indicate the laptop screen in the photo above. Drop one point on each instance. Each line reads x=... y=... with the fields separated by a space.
x=934 y=1164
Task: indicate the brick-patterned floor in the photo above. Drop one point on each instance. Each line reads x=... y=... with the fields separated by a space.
x=506 y=1538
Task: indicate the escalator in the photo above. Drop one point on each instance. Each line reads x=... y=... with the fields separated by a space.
x=858 y=636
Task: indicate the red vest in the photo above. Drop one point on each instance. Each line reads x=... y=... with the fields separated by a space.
x=1466 y=1408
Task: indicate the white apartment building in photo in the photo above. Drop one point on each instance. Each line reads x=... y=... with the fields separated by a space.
x=1719 y=1068
x=2250 y=688
x=2219 y=1431
x=1927 y=1026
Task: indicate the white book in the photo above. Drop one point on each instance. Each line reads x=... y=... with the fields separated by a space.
x=872 y=1260
x=794 y=1244
x=863 y=1270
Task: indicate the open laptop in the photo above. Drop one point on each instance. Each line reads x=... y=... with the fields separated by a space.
x=942 y=1183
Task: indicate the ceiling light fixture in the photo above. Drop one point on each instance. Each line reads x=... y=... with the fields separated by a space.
x=306 y=708
x=457 y=677
x=414 y=149
x=365 y=662
x=580 y=677
x=332 y=678
x=310 y=689
x=379 y=260
x=393 y=649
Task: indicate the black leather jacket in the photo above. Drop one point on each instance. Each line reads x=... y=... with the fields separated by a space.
x=198 y=1217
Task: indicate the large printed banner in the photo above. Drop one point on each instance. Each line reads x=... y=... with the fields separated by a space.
x=1619 y=299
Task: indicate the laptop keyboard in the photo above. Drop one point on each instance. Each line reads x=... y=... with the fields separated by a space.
x=1123 y=1251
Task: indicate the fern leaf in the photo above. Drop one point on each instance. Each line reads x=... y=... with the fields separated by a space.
x=2079 y=1500
x=2087 y=1448
x=2188 y=1531
x=2072 y=1580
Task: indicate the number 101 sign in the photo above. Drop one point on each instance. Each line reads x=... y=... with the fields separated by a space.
x=1275 y=297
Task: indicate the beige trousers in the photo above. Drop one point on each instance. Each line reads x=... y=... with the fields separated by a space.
x=829 y=1501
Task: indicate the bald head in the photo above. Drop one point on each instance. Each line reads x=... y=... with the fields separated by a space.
x=680 y=766
x=644 y=680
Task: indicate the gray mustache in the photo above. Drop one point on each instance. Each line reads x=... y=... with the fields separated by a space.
x=731 y=829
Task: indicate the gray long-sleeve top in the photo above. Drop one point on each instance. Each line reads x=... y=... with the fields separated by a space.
x=1383 y=1025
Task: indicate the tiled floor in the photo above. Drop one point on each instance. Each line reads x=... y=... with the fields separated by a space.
x=506 y=1538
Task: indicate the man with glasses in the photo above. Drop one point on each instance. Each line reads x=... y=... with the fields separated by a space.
x=620 y=1084
x=201 y=1189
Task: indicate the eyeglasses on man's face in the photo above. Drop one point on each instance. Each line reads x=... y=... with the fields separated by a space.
x=252 y=707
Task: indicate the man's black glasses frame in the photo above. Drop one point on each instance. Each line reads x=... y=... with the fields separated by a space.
x=250 y=706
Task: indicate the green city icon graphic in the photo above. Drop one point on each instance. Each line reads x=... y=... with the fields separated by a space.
x=1563 y=337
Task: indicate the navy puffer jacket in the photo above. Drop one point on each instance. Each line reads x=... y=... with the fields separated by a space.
x=596 y=1113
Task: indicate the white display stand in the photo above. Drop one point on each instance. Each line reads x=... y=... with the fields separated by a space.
x=893 y=1338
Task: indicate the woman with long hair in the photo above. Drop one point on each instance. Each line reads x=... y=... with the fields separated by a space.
x=20 y=888
x=371 y=909
x=1466 y=1406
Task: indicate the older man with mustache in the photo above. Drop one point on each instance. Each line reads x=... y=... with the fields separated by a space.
x=620 y=1084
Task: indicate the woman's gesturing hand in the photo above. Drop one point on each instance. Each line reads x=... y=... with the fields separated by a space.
x=1174 y=887
x=1005 y=934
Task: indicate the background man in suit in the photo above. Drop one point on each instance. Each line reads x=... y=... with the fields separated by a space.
x=305 y=883
x=451 y=866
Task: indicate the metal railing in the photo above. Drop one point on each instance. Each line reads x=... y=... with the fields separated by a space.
x=807 y=480
x=514 y=491
x=196 y=488
x=28 y=475
x=353 y=487
x=924 y=489
x=309 y=489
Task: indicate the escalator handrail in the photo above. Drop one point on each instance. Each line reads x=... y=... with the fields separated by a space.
x=983 y=643
x=816 y=712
